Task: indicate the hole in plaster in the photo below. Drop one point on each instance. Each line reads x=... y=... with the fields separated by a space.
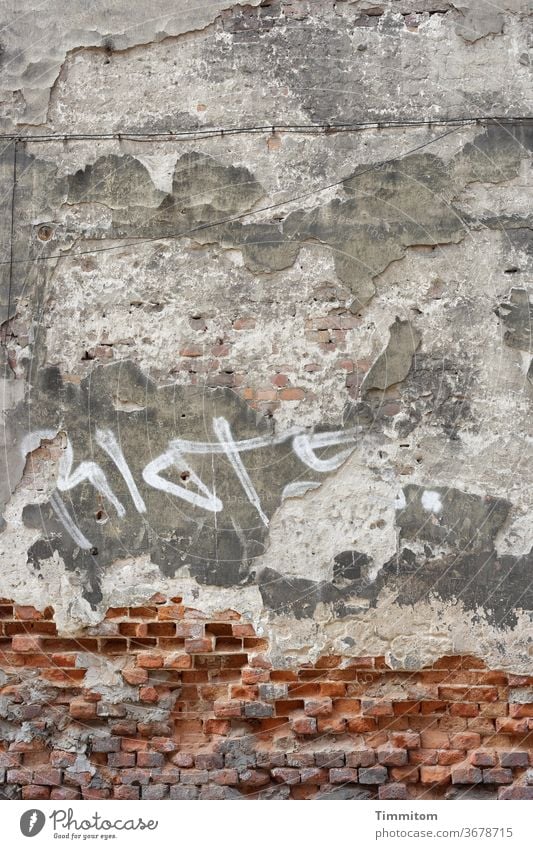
x=45 y=232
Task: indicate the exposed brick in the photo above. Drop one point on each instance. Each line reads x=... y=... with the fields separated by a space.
x=47 y=775
x=304 y=725
x=343 y=775
x=208 y=760
x=517 y=791
x=482 y=757
x=119 y=760
x=514 y=759
x=286 y=775
x=373 y=775
x=466 y=775
x=126 y=792
x=389 y=756
x=155 y=791
x=150 y=759
x=194 y=776
x=318 y=707
x=465 y=740
x=498 y=775
x=393 y=791
x=435 y=774
x=360 y=757
x=32 y=791
x=224 y=777
x=81 y=709
x=254 y=777
x=183 y=793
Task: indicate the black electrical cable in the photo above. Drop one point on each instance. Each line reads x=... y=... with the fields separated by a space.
x=209 y=132
x=233 y=218
x=12 y=240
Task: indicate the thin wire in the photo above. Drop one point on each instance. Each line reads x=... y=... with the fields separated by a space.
x=12 y=241
x=242 y=215
x=173 y=135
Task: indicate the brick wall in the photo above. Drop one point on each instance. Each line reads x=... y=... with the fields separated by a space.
x=161 y=701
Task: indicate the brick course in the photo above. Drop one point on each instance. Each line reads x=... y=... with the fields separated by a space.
x=229 y=725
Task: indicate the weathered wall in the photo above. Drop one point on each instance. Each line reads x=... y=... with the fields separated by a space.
x=265 y=314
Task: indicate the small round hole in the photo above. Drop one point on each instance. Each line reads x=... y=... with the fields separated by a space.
x=45 y=233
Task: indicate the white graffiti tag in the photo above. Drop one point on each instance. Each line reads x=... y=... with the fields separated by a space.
x=304 y=445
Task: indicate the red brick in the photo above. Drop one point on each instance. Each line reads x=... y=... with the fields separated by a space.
x=433 y=739
x=518 y=791
x=393 y=791
x=410 y=774
x=119 y=760
x=63 y=793
x=464 y=709
x=498 y=775
x=466 y=775
x=178 y=661
x=361 y=724
x=517 y=711
x=80 y=709
x=331 y=725
x=318 y=707
x=401 y=708
x=405 y=740
x=313 y=775
x=217 y=726
x=428 y=707
x=135 y=675
x=391 y=757
x=133 y=745
x=26 y=642
x=465 y=740
x=150 y=760
x=286 y=775
x=224 y=777
x=199 y=646
x=150 y=660
x=254 y=777
x=373 y=775
x=148 y=694
x=32 y=791
x=255 y=676
x=447 y=757
x=169 y=612
x=375 y=707
x=423 y=756
x=22 y=612
x=226 y=709
x=511 y=726
x=514 y=759
x=240 y=629
x=337 y=688
x=304 y=725
x=435 y=774
x=47 y=775
x=482 y=757
x=344 y=775
x=360 y=757
x=126 y=792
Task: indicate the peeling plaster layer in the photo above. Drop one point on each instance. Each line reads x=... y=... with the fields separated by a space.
x=36 y=41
